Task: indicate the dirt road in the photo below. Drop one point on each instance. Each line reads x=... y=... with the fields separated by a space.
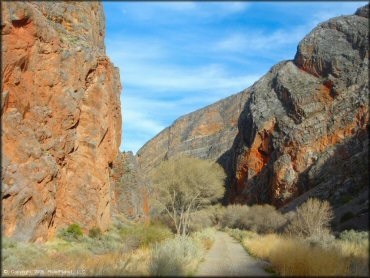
x=227 y=257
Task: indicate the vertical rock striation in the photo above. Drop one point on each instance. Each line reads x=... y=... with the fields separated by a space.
x=61 y=118
x=131 y=190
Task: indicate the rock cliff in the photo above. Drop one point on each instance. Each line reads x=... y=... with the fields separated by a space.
x=131 y=191
x=206 y=133
x=305 y=123
x=302 y=126
x=61 y=118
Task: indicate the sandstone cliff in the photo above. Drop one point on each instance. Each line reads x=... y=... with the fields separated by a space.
x=61 y=118
x=303 y=127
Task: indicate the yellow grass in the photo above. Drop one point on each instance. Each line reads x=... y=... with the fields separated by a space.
x=290 y=256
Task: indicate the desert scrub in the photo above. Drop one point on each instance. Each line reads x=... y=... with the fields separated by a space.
x=297 y=257
x=258 y=218
x=178 y=256
x=206 y=237
x=142 y=235
x=95 y=232
x=20 y=255
x=240 y=235
x=72 y=233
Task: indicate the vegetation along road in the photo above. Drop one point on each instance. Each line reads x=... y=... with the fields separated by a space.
x=228 y=258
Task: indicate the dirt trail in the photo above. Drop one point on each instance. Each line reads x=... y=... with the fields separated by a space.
x=227 y=257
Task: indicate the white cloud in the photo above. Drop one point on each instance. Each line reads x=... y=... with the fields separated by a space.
x=259 y=41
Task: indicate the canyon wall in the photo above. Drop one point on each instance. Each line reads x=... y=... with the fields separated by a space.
x=131 y=187
x=308 y=115
x=301 y=130
x=61 y=118
x=206 y=133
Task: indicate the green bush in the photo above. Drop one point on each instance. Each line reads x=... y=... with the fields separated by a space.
x=346 y=216
x=95 y=232
x=175 y=257
x=140 y=235
x=75 y=230
x=354 y=236
x=72 y=233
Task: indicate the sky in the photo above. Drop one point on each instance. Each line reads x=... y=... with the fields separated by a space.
x=175 y=58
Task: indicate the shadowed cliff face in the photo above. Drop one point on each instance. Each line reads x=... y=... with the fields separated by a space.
x=131 y=190
x=294 y=122
x=61 y=118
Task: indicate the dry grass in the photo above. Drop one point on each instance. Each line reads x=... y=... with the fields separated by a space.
x=296 y=257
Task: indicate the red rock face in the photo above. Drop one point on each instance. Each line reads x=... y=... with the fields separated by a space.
x=61 y=118
x=130 y=187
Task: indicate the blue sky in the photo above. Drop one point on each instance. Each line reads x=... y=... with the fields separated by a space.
x=175 y=58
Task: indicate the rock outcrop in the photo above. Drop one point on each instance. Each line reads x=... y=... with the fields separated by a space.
x=131 y=190
x=61 y=118
x=306 y=121
x=206 y=133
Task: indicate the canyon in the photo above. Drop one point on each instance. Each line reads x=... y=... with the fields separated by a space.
x=300 y=131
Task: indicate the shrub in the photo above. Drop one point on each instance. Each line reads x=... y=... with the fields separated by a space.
x=175 y=257
x=231 y=216
x=263 y=219
x=311 y=219
x=258 y=218
x=354 y=237
x=346 y=216
x=72 y=233
x=140 y=235
x=200 y=220
x=95 y=232
x=206 y=237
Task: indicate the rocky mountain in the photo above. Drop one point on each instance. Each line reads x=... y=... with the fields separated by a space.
x=303 y=127
x=61 y=118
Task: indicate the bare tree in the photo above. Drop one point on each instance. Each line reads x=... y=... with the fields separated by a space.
x=185 y=185
x=311 y=219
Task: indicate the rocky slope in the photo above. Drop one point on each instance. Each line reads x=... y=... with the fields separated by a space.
x=206 y=133
x=302 y=126
x=61 y=118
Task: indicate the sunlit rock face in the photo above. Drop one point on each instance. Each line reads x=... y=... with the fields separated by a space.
x=305 y=123
x=206 y=133
x=61 y=118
